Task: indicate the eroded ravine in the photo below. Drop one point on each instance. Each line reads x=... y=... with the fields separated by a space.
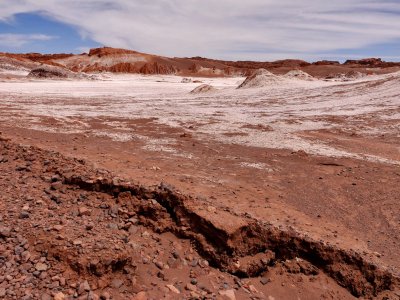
x=258 y=244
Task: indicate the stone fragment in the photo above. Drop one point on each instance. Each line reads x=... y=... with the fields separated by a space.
x=173 y=289
x=117 y=283
x=41 y=267
x=84 y=287
x=105 y=296
x=5 y=232
x=59 y=296
x=24 y=215
x=140 y=296
x=229 y=294
x=83 y=211
x=58 y=227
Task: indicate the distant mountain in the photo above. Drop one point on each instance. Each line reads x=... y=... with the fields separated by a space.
x=127 y=61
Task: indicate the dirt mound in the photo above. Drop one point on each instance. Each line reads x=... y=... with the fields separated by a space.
x=259 y=79
x=298 y=74
x=53 y=72
x=204 y=88
x=354 y=75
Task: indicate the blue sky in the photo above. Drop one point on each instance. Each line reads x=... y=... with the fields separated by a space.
x=226 y=29
x=34 y=32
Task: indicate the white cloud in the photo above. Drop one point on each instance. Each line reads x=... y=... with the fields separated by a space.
x=11 y=40
x=225 y=28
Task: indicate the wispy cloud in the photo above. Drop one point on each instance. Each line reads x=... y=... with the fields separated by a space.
x=224 y=28
x=11 y=40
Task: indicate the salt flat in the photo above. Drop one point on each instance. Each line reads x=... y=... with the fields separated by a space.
x=229 y=115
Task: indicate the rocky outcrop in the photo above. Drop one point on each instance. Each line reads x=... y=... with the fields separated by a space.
x=259 y=79
x=371 y=63
x=203 y=89
x=53 y=72
x=123 y=68
x=156 y=68
x=114 y=60
x=326 y=63
x=105 y=51
x=298 y=74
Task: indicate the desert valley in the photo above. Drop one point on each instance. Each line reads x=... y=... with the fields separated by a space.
x=134 y=176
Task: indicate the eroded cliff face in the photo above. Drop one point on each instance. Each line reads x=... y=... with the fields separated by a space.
x=115 y=60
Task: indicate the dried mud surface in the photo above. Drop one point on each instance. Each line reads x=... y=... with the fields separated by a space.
x=277 y=193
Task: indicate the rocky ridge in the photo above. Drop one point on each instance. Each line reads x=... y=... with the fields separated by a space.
x=114 y=60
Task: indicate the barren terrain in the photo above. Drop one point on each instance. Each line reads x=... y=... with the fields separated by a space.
x=288 y=190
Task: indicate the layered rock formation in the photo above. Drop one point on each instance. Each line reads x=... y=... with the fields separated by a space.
x=114 y=60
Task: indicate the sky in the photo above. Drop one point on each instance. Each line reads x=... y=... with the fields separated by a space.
x=224 y=29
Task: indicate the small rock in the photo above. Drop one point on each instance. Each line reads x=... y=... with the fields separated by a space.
x=105 y=296
x=211 y=209
x=46 y=297
x=41 y=267
x=265 y=280
x=77 y=243
x=59 y=296
x=55 y=178
x=173 y=289
x=190 y=287
x=93 y=296
x=114 y=210
x=25 y=256
x=5 y=232
x=113 y=226
x=194 y=263
x=146 y=234
x=159 y=265
x=24 y=215
x=83 y=287
x=253 y=289
x=58 y=227
x=56 y=185
x=203 y=263
x=175 y=254
x=140 y=296
x=62 y=281
x=195 y=295
x=117 y=283
x=230 y=294
x=83 y=211
x=18 y=250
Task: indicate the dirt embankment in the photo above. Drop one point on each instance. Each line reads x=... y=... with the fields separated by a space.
x=73 y=231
